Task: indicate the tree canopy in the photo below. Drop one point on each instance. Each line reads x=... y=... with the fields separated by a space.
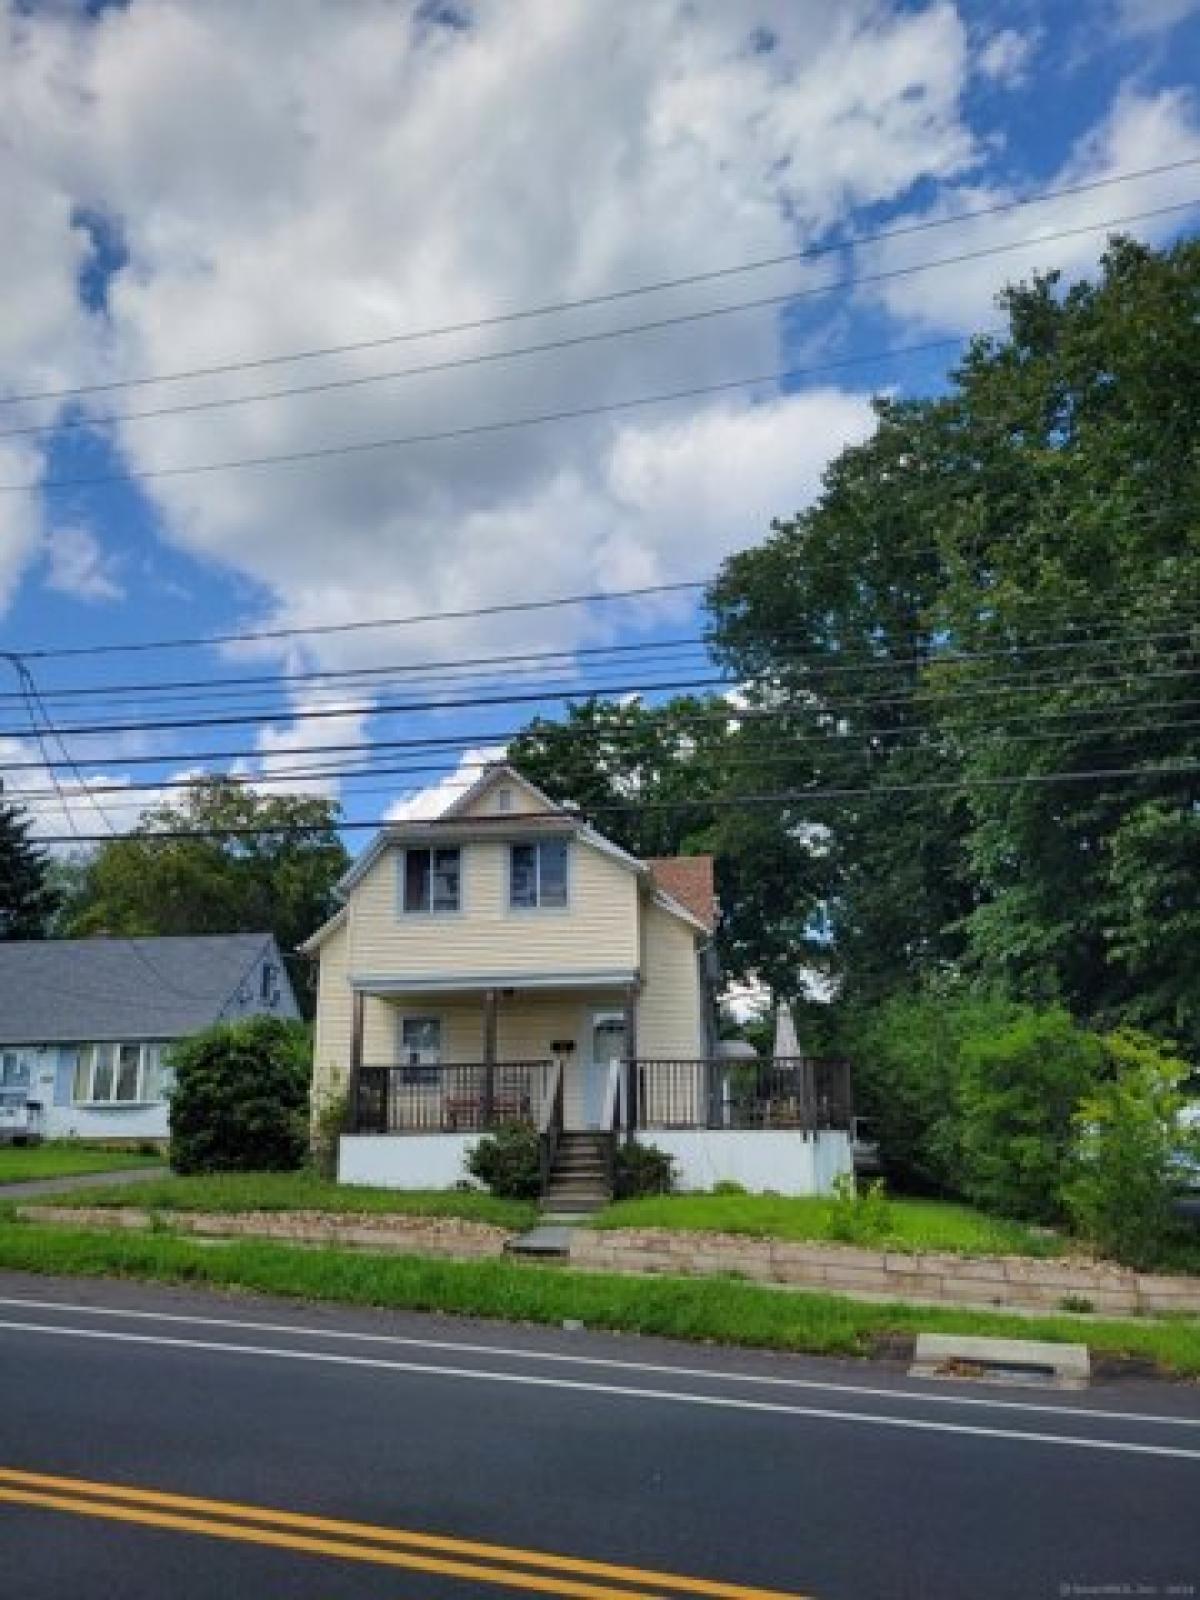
x=225 y=859
x=967 y=672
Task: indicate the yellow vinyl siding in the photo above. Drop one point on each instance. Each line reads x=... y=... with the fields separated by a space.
x=596 y=932
x=331 y=1046
x=669 y=1012
x=524 y=802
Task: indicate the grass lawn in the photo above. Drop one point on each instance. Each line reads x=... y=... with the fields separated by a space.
x=305 y=1191
x=720 y=1310
x=24 y=1163
x=914 y=1224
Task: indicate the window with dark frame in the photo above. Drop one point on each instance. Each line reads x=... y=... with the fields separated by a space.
x=432 y=880
x=537 y=877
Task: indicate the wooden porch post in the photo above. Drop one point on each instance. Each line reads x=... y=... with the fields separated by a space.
x=631 y=1050
x=489 y=1055
x=356 y=1055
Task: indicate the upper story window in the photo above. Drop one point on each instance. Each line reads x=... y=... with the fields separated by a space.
x=268 y=991
x=504 y=798
x=431 y=880
x=537 y=876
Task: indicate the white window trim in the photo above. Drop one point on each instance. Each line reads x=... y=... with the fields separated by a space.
x=111 y=1103
x=402 y=876
x=538 y=908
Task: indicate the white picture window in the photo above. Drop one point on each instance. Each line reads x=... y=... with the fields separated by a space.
x=537 y=875
x=120 y=1074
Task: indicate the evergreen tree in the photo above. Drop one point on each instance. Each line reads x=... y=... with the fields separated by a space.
x=27 y=899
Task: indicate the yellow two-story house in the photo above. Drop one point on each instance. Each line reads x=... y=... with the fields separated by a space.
x=506 y=962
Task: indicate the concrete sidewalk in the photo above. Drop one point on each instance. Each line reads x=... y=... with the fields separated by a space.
x=33 y=1187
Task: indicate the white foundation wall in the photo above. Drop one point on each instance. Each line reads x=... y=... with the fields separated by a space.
x=779 y=1160
x=405 y=1161
x=107 y=1122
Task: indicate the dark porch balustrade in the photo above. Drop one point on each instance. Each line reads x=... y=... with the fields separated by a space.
x=464 y=1097
x=804 y=1093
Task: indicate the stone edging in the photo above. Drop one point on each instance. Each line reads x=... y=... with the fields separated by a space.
x=1017 y=1281
x=392 y=1231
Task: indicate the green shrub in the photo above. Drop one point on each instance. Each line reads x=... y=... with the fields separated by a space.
x=907 y=1057
x=508 y=1162
x=729 y=1186
x=1128 y=1139
x=1017 y=1098
x=859 y=1216
x=329 y=1124
x=641 y=1169
x=240 y=1101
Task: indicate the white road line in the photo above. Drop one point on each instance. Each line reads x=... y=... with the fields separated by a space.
x=612 y=1363
x=620 y=1391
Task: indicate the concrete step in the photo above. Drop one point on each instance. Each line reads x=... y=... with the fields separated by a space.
x=573 y=1204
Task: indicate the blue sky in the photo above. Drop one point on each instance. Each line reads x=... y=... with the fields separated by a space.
x=190 y=184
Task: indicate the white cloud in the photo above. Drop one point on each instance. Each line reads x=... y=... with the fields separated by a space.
x=78 y=565
x=290 y=176
x=431 y=800
x=1140 y=131
x=1135 y=18
x=1005 y=57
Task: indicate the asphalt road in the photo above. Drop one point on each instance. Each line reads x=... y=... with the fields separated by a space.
x=159 y=1443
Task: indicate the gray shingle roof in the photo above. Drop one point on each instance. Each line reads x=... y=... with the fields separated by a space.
x=60 y=991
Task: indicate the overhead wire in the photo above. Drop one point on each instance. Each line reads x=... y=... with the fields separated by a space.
x=557 y=415
x=609 y=297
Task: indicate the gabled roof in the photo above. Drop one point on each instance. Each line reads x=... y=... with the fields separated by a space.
x=688 y=880
x=682 y=886
x=67 y=991
x=491 y=777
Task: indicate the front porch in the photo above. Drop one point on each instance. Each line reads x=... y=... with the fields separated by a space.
x=782 y=1124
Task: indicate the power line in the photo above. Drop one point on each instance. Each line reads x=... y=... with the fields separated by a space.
x=330 y=679
x=792 y=797
x=34 y=705
x=247 y=636
x=862 y=742
x=383 y=708
x=612 y=732
x=489 y=357
x=1027 y=682
x=811 y=252
x=541 y=419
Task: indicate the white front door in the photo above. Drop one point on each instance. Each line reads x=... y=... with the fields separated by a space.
x=606 y=1044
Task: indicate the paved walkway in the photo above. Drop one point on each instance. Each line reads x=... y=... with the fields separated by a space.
x=79 y=1180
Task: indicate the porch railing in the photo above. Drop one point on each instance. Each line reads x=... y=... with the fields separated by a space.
x=457 y=1097
x=805 y=1093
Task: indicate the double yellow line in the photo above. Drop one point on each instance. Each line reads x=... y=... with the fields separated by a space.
x=505 y=1566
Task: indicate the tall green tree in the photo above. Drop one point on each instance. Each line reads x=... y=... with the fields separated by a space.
x=27 y=897
x=999 y=587
x=224 y=859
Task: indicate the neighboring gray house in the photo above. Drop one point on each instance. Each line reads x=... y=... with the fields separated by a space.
x=85 y=1024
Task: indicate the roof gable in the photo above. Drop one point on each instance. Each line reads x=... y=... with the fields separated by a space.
x=501 y=791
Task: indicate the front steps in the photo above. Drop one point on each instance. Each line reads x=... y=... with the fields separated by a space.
x=579 y=1179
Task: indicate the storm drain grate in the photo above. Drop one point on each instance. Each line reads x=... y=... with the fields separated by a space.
x=1008 y=1361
